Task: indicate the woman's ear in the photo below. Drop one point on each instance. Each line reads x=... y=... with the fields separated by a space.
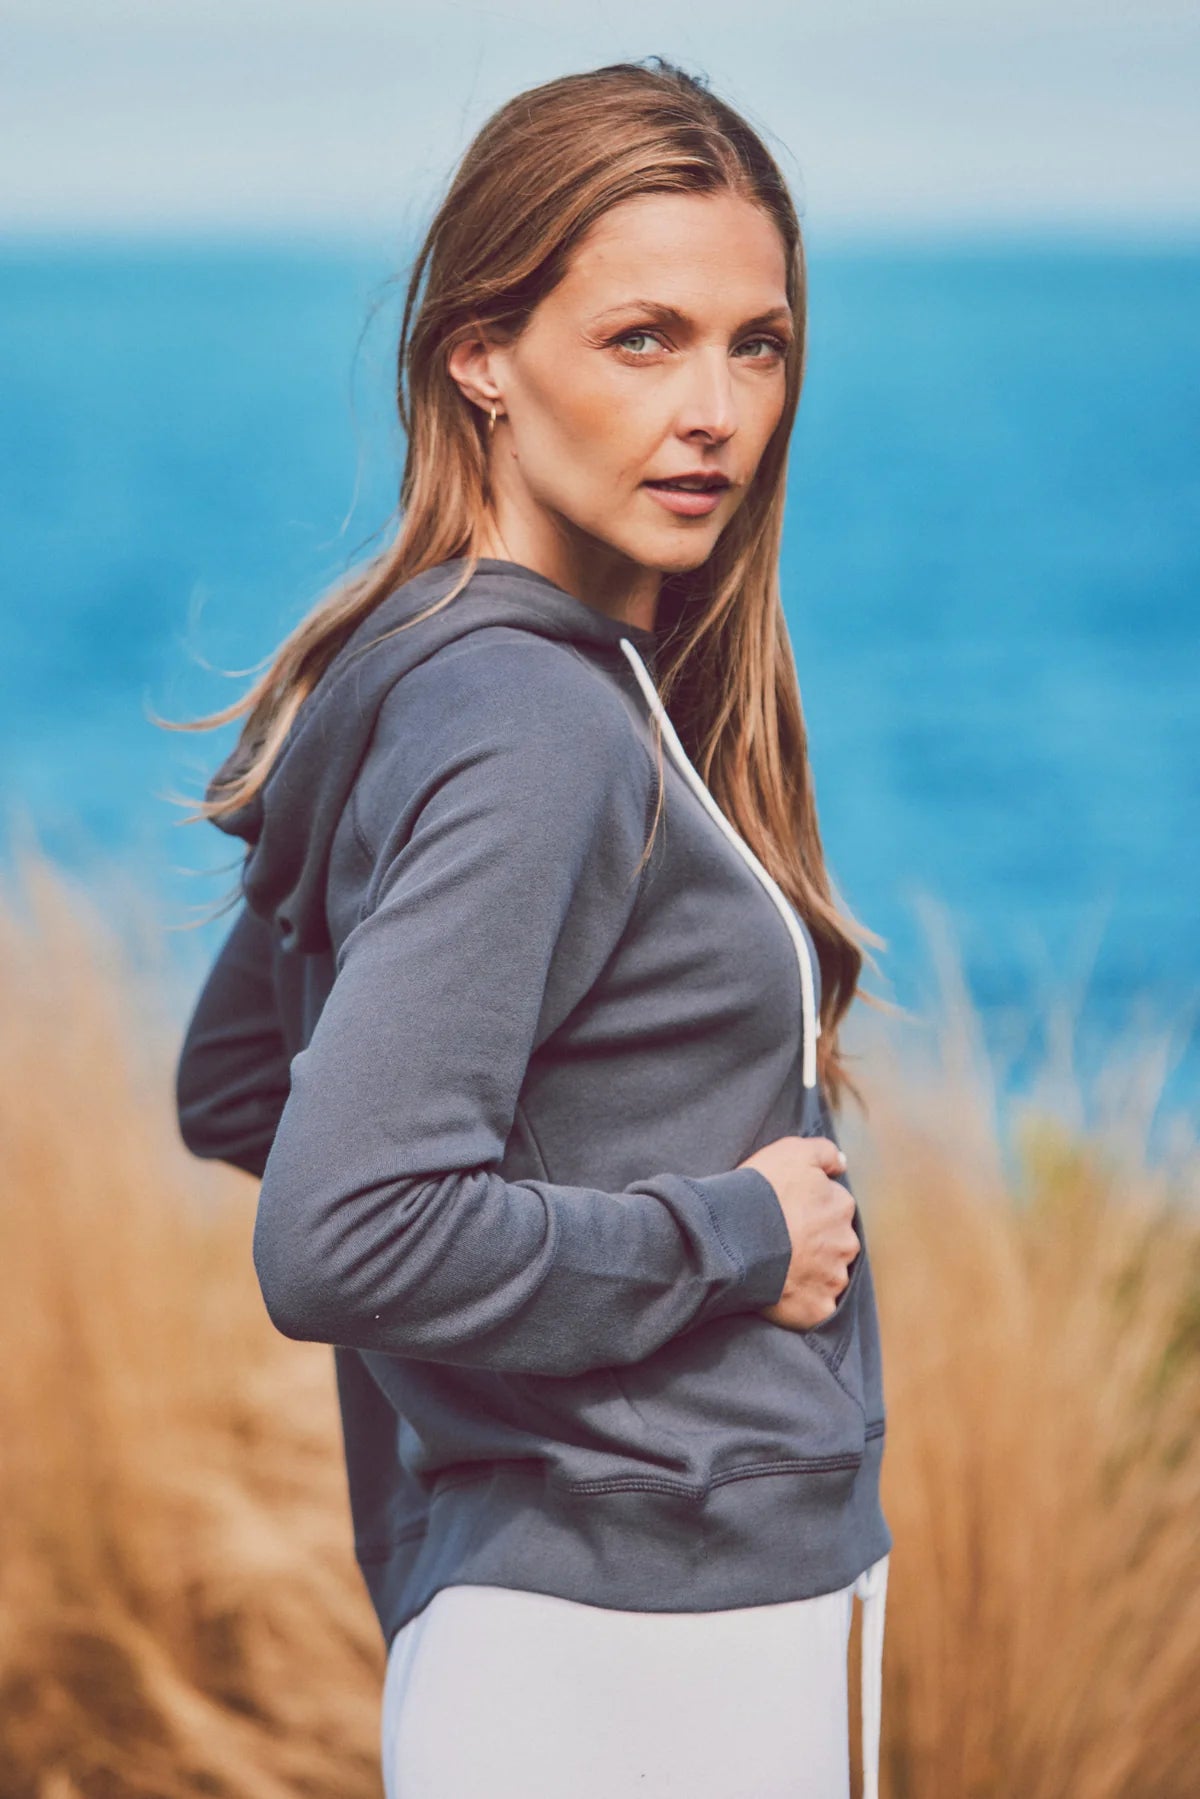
x=470 y=365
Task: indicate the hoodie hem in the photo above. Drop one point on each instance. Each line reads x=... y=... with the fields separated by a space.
x=762 y=1534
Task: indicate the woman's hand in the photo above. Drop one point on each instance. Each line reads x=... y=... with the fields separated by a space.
x=818 y=1211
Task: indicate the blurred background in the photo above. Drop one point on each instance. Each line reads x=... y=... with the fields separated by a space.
x=991 y=576
x=992 y=556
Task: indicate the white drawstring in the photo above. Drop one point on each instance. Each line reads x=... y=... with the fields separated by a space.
x=871 y=1585
x=808 y=990
x=871 y=1588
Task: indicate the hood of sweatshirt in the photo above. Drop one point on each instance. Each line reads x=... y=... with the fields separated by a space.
x=289 y=824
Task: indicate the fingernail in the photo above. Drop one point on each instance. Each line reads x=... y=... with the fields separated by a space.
x=842 y=1157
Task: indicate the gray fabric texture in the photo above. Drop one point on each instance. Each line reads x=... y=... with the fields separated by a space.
x=495 y=1083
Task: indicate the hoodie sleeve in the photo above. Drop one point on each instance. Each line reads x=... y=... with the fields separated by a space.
x=494 y=903
x=232 y=1076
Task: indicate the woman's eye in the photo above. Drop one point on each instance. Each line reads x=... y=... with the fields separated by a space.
x=774 y=346
x=645 y=336
x=639 y=343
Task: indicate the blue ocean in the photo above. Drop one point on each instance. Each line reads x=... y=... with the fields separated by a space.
x=992 y=575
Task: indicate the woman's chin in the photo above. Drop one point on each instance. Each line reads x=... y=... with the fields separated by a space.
x=673 y=551
x=682 y=557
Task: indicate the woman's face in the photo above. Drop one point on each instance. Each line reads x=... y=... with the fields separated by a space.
x=659 y=354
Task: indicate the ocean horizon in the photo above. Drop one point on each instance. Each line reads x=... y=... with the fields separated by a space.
x=990 y=576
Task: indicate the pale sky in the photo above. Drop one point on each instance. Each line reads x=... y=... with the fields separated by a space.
x=347 y=115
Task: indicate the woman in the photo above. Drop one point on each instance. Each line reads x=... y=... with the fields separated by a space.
x=528 y=1017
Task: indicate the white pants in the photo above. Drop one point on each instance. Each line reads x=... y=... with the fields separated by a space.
x=516 y=1695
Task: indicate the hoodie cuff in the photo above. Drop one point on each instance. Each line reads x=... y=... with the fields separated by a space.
x=750 y=1223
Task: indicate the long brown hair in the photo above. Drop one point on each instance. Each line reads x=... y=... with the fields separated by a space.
x=538 y=175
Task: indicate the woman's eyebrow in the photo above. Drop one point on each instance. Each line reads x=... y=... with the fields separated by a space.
x=671 y=315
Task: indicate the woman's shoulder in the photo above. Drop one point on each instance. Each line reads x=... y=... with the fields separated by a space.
x=519 y=689
x=497 y=667
x=504 y=706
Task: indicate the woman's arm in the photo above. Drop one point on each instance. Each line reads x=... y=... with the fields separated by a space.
x=382 y=1222
x=232 y=1077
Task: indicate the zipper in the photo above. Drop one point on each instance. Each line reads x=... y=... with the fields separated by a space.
x=800 y=943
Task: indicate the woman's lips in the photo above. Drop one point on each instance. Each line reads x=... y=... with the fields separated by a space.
x=688 y=503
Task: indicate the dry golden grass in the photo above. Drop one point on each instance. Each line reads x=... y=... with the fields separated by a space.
x=1039 y=1296
x=180 y=1613
x=179 y=1609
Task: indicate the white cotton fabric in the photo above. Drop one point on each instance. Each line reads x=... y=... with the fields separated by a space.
x=523 y=1695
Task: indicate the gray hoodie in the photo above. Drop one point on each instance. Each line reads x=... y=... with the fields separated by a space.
x=496 y=1083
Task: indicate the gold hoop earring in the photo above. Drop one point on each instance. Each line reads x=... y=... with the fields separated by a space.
x=492 y=420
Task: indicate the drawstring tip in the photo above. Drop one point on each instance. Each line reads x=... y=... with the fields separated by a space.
x=872 y=1580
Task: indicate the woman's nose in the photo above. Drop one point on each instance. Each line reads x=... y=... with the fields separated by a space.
x=709 y=404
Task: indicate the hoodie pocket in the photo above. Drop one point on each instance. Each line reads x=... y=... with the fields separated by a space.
x=742 y=1395
x=727 y=1400
x=836 y=1339
x=730 y=1399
